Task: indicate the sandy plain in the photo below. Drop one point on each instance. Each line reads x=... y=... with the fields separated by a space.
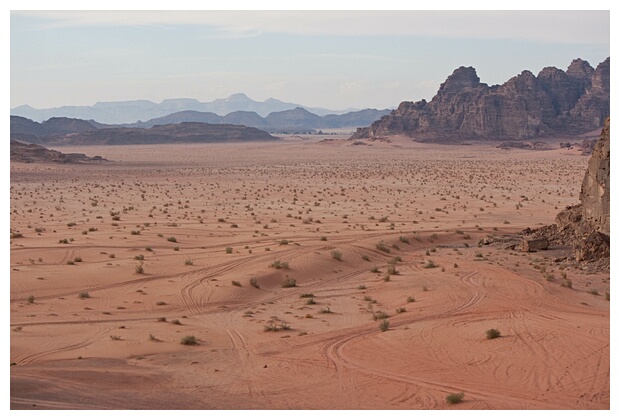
x=207 y=223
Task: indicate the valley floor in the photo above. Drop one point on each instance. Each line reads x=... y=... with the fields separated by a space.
x=114 y=264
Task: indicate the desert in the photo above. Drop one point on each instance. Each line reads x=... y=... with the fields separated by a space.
x=307 y=272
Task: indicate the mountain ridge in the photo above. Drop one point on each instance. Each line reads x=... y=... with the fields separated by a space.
x=525 y=107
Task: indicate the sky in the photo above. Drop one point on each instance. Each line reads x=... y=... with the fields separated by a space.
x=323 y=58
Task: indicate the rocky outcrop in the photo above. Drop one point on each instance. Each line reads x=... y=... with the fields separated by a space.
x=594 y=194
x=33 y=153
x=585 y=227
x=525 y=107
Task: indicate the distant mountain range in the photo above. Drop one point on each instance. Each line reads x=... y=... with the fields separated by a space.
x=71 y=131
x=126 y=112
x=553 y=103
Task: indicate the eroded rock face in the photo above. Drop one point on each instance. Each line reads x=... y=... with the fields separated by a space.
x=525 y=107
x=595 y=187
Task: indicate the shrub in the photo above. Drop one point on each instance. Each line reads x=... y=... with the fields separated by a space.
x=375 y=269
x=306 y=295
x=83 y=295
x=337 y=255
x=289 y=282
x=229 y=250
x=139 y=268
x=410 y=299
x=236 y=283
x=326 y=311
x=139 y=257
x=492 y=333
x=379 y=315
x=77 y=259
x=455 y=398
x=430 y=264
x=277 y=264
x=593 y=292
x=148 y=248
x=384 y=325
x=361 y=287
x=171 y=239
x=365 y=257
x=400 y=310
x=392 y=270
x=176 y=322
x=284 y=242
x=403 y=239
x=189 y=261
x=189 y=340
x=254 y=282
x=115 y=337
x=311 y=301
x=161 y=319
x=567 y=283
x=382 y=246
x=606 y=295
x=323 y=238
x=31 y=299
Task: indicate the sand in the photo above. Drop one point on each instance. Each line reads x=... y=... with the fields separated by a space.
x=205 y=224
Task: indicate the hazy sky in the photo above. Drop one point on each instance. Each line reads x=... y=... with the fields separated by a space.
x=330 y=59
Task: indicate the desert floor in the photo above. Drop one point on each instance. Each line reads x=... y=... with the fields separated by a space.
x=367 y=231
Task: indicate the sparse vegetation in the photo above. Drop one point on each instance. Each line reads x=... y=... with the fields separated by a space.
x=189 y=340
x=492 y=333
x=289 y=282
x=277 y=264
x=337 y=255
x=382 y=246
x=254 y=282
x=384 y=325
x=455 y=398
x=83 y=295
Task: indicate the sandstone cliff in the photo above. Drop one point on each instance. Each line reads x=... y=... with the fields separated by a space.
x=525 y=107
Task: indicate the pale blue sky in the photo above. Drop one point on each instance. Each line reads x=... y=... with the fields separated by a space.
x=329 y=59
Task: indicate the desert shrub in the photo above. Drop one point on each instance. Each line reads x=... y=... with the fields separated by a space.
x=410 y=299
x=139 y=257
x=430 y=264
x=161 y=319
x=361 y=287
x=115 y=337
x=392 y=270
x=455 y=398
x=139 y=268
x=63 y=241
x=400 y=310
x=277 y=264
x=593 y=292
x=31 y=299
x=289 y=282
x=311 y=301
x=492 y=333
x=189 y=340
x=160 y=303
x=83 y=295
x=284 y=242
x=324 y=238
x=384 y=325
x=337 y=255
x=382 y=246
x=365 y=257
x=229 y=250
x=306 y=295
x=148 y=248
x=606 y=295
x=135 y=232
x=77 y=259
x=326 y=311
x=567 y=283
x=189 y=261
x=176 y=322
x=379 y=315
x=386 y=277
x=254 y=282
x=375 y=269
x=171 y=239
x=236 y=283
x=403 y=239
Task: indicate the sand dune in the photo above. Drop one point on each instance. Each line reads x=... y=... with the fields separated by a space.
x=208 y=225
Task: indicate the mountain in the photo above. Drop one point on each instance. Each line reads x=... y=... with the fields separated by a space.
x=295 y=120
x=126 y=112
x=186 y=132
x=525 y=107
x=27 y=130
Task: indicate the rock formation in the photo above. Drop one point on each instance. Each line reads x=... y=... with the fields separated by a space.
x=525 y=107
x=586 y=226
x=31 y=153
